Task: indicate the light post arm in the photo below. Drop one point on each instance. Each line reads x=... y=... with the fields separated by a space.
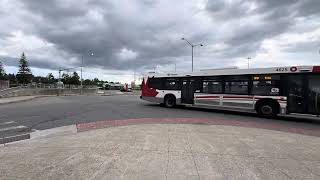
x=188 y=42
x=192 y=46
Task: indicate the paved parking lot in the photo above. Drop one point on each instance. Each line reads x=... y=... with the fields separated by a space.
x=49 y=112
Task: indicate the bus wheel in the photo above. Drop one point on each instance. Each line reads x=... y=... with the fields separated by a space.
x=267 y=109
x=169 y=101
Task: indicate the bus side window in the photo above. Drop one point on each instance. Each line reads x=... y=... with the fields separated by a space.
x=236 y=87
x=212 y=87
x=265 y=87
x=171 y=84
x=155 y=83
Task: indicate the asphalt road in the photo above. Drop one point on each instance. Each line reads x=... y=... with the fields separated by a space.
x=50 y=112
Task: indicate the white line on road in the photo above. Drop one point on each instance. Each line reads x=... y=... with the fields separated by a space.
x=58 y=131
x=6 y=123
x=13 y=127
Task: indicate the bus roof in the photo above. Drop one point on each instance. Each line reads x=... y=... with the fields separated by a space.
x=217 y=72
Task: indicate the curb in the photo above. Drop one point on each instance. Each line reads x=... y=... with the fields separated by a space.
x=204 y=121
x=124 y=122
x=24 y=100
x=119 y=95
x=11 y=139
x=53 y=132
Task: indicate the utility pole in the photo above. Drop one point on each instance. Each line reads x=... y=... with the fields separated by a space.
x=81 y=74
x=192 y=47
x=249 y=62
x=81 y=80
x=175 y=67
x=134 y=76
x=59 y=83
x=59 y=75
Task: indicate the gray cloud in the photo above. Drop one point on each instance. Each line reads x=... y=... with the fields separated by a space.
x=105 y=38
x=272 y=18
x=152 y=29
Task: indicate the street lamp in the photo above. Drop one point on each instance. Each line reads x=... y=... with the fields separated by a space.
x=90 y=54
x=192 y=46
x=248 y=62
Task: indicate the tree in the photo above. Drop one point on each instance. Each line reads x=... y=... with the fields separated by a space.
x=12 y=78
x=75 y=79
x=50 y=78
x=95 y=81
x=87 y=82
x=65 y=78
x=24 y=74
x=2 y=72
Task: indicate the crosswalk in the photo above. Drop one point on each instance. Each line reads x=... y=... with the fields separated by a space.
x=11 y=131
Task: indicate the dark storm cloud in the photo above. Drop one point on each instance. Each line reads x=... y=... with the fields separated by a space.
x=153 y=35
x=274 y=18
x=39 y=63
x=9 y=61
x=70 y=28
x=223 y=10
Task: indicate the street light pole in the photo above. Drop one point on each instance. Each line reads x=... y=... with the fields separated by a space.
x=81 y=80
x=192 y=47
x=192 y=56
x=81 y=72
x=249 y=62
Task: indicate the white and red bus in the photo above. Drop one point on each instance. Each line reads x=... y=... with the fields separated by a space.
x=267 y=91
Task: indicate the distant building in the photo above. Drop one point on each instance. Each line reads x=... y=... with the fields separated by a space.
x=133 y=84
x=113 y=86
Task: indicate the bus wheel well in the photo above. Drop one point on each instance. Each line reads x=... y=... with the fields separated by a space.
x=169 y=95
x=169 y=100
x=268 y=101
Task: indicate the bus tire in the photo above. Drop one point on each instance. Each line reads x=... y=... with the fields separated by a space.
x=267 y=109
x=169 y=101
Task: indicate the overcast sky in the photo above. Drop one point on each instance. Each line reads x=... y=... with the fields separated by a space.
x=128 y=36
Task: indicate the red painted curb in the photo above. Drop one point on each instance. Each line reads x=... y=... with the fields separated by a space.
x=250 y=124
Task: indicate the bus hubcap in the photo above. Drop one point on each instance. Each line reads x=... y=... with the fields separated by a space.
x=266 y=110
x=170 y=102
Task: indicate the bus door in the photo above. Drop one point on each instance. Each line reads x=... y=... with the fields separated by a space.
x=296 y=94
x=313 y=94
x=187 y=92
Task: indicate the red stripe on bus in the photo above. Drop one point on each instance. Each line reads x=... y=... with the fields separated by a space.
x=316 y=69
x=203 y=97
x=238 y=97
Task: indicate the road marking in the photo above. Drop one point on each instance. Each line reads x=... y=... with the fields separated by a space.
x=13 y=127
x=64 y=130
x=11 y=139
x=11 y=131
x=6 y=123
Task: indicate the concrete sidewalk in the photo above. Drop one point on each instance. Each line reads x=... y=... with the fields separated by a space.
x=163 y=151
x=117 y=92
